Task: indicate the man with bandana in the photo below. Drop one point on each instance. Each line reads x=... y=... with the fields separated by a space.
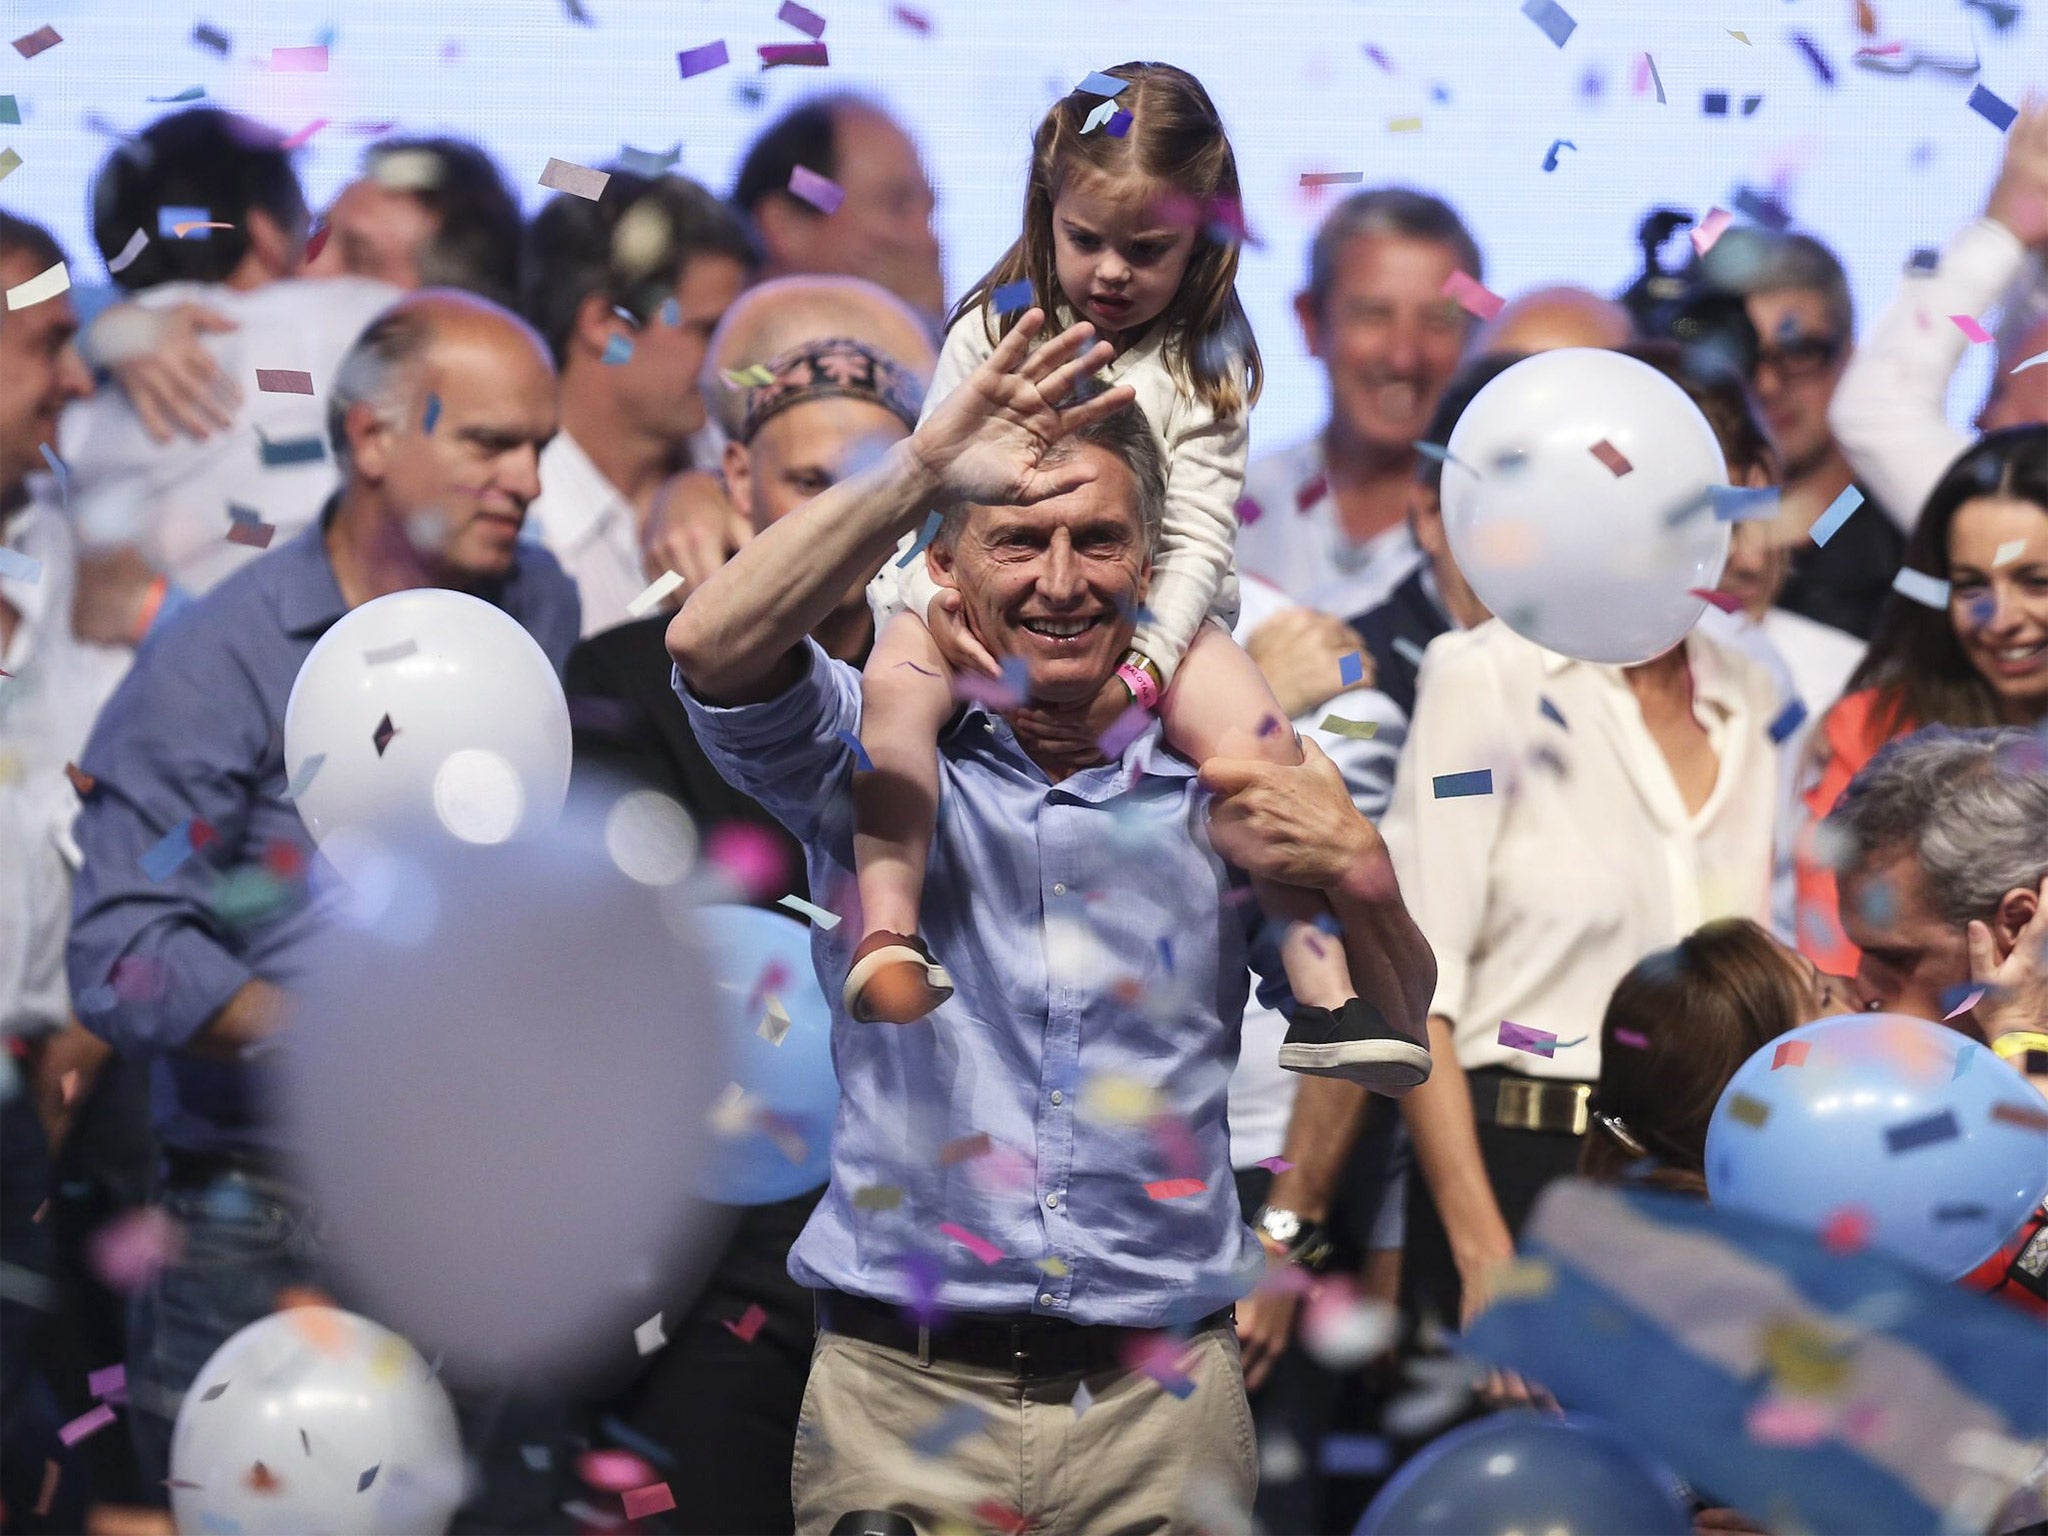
x=832 y=371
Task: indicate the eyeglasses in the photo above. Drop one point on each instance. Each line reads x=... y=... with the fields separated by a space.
x=1798 y=358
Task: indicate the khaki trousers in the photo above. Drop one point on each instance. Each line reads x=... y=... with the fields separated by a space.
x=881 y=1432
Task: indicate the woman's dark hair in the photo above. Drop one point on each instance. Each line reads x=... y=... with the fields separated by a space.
x=477 y=223
x=202 y=158
x=1676 y=1029
x=1723 y=398
x=1915 y=662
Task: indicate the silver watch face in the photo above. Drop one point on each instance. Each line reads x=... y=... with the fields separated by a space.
x=1282 y=1226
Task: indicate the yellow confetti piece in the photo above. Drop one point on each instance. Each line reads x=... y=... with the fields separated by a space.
x=1053 y=1267
x=1357 y=730
x=750 y=377
x=877 y=1197
x=389 y=1359
x=1804 y=1360
x=1111 y=1100
x=1740 y=37
x=10 y=162
x=1404 y=125
x=1521 y=1279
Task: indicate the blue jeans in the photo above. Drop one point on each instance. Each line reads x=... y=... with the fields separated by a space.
x=245 y=1239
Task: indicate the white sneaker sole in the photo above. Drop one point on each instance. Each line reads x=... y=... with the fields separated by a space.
x=935 y=977
x=1385 y=1066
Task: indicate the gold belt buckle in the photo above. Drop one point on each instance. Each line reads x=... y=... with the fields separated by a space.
x=1531 y=1104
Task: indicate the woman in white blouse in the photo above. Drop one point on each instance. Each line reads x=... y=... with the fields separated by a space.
x=1629 y=805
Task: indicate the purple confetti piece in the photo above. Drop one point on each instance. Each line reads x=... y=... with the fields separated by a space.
x=860 y=753
x=108 y=1381
x=1125 y=729
x=1629 y=1037
x=701 y=61
x=821 y=192
x=1821 y=67
x=1993 y=108
x=1924 y=1132
x=1119 y=124
x=810 y=23
x=812 y=54
x=90 y=1422
x=1274 y=1164
x=1520 y=1037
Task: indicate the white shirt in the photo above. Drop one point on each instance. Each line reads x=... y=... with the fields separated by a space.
x=1193 y=573
x=1296 y=539
x=171 y=500
x=587 y=523
x=1889 y=411
x=1539 y=897
x=46 y=709
x=1262 y=1091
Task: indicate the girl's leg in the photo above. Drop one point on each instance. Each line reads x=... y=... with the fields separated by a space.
x=1334 y=1033
x=906 y=695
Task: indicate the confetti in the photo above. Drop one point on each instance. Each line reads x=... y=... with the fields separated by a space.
x=1829 y=523
x=821 y=192
x=1404 y=125
x=817 y=914
x=1104 y=111
x=1550 y=159
x=1970 y=1000
x=775 y=1021
x=1100 y=84
x=650 y=163
x=190 y=93
x=1987 y=104
x=381 y=737
x=110 y=1381
x=163 y=858
x=82 y=783
x=42 y=40
x=129 y=252
x=94 y=1419
x=46 y=284
x=279 y=454
x=1710 y=229
x=1012 y=297
x=1332 y=178
x=1714 y=103
x=1751 y=1112
x=51 y=1472
x=1553 y=19
x=299 y=61
x=2025 y=1116
x=398 y=650
x=1919 y=587
x=1846 y=1230
x=10 y=110
x=303 y=779
x=1630 y=1038
x=2033 y=362
x=861 y=760
x=10 y=162
x=1053 y=1267
x=980 y=1247
x=1356 y=730
x=300 y=139
x=1274 y=1165
x=1616 y=461
x=701 y=61
x=181 y=231
x=1472 y=296
x=1454 y=786
x=617 y=350
x=651 y=1500
x=749 y=1323
x=576 y=180
x=752 y=376
x=1520 y=1037
x=1970 y=328
x=1123 y=730
x=58 y=471
x=1656 y=79
x=917 y=21
x=810 y=23
x=15 y=566
x=1351 y=669
x=877 y=1197
x=810 y=54
x=245 y=527
x=1175 y=1189
x=648 y=1337
x=1924 y=1132
x=1786 y=722
x=1742 y=503
x=1790 y=1053
x=964 y=1149
x=1822 y=69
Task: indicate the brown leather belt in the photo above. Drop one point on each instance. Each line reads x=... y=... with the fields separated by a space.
x=1024 y=1345
x=1520 y=1103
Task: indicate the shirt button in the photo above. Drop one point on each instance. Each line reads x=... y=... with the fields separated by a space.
x=1045 y=1298
x=1059 y=887
x=1052 y=1202
x=1058 y=1097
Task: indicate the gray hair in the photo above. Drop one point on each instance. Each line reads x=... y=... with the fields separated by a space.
x=1971 y=804
x=375 y=372
x=1397 y=211
x=1748 y=260
x=1126 y=436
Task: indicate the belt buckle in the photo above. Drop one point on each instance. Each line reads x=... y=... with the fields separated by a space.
x=1528 y=1104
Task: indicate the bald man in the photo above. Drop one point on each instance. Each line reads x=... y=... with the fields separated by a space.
x=1545 y=319
x=847 y=365
x=194 y=736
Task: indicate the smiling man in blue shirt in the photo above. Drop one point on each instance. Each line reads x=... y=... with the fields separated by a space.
x=990 y=1318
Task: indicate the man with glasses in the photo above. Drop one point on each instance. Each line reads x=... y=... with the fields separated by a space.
x=1797 y=298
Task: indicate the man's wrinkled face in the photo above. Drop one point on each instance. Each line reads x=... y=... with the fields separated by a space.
x=373 y=231
x=1912 y=958
x=1057 y=584
x=40 y=374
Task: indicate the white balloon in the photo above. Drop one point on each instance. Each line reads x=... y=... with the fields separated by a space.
x=479 y=743
x=313 y=1419
x=1568 y=553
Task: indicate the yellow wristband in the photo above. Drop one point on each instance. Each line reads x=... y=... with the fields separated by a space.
x=2014 y=1044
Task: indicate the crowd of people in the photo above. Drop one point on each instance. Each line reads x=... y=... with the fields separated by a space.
x=973 y=612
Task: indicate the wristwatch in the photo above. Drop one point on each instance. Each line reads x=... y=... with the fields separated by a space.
x=1306 y=1243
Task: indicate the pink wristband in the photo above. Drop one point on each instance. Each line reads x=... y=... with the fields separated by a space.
x=1144 y=691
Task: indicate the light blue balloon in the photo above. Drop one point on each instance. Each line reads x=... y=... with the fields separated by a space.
x=1520 y=1473
x=754 y=953
x=1894 y=1120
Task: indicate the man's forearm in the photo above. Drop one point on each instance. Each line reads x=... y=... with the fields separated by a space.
x=1328 y=1114
x=730 y=636
x=1392 y=965
x=248 y=1018
x=1446 y=1137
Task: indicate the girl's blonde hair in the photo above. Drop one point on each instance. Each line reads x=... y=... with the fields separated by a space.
x=1175 y=138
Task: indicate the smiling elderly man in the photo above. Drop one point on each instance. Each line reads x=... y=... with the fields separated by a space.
x=1007 y=1232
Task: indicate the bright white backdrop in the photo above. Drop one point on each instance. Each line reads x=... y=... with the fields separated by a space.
x=1877 y=164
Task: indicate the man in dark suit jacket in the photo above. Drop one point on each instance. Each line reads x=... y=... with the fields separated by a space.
x=724 y=1408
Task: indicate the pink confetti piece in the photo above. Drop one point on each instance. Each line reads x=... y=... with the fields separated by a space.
x=304 y=136
x=1123 y=730
x=750 y=856
x=1726 y=602
x=91 y=1422
x=284 y=381
x=299 y=61
x=821 y=192
x=108 y=1382
x=1790 y=1053
x=980 y=1247
x=1710 y=229
x=1975 y=997
x=1630 y=1038
x=42 y=40
x=749 y=1323
x=1787 y=1422
x=1520 y=1037
x=1472 y=296
x=1274 y=1164
x=965 y=1149
x=1174 y=1189
x=651 y=1500
x=917 y=21
x=180 y=230
x=1616 y=461
x=1970 y=328
x=812 y=54
x=808 y=22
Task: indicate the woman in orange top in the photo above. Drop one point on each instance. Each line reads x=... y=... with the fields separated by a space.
x=1976 y=656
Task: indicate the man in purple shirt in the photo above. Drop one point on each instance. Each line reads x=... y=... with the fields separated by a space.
x=191 y=917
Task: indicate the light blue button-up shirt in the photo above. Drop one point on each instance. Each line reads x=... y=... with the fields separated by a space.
x=1099 y=953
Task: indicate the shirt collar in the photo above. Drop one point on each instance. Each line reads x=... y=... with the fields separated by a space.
x=974 y=725
x=1713 y=682
x=576 y=497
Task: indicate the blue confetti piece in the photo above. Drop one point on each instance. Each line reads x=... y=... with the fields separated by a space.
x=860 y=753
x=1829 y=523
x=369 y=1477
x=1964 y=1056
x=1012 y=297
x=1550 y=711
x=1788 y=720
x=10 y=110
x=1351 y=670
x=1822 y=69
x=1355 y=1456
x=59 y=469
x=1919 y=587
x=671 y=312
x=292 y=450
x=1550 y=160
x=1743 y=503
x=170 y=216
x=1554 y=19
x=1119 y=124
x=932 y=523
x=1099 y=84
x=1925 y=1132
x=632 y=1440
x=618 y=349
x=302 y=780
x=432 y=416
x=16 y=566
x=1993 y=108
x=1408 y=651
x=165 y=857
x=1456 y=786
x=1431 y=450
